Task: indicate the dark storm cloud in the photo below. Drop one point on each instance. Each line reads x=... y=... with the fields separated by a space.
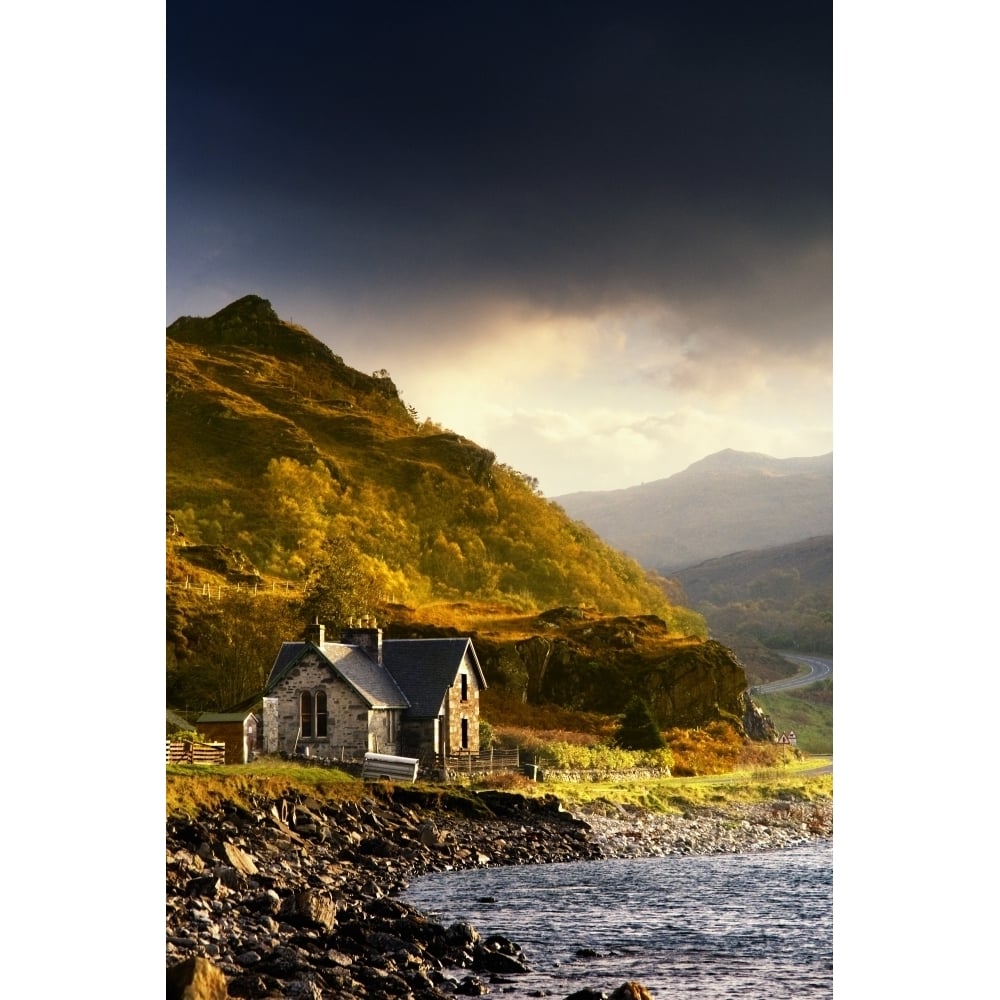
x=572 y=155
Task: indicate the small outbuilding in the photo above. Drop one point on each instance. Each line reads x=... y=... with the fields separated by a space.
x=238 y=730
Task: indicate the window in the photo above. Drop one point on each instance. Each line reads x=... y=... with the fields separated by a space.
x=465 y=734
x=465 y=687
x=305 y=714
x=321 y=713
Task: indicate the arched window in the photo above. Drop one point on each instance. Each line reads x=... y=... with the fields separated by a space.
x=321 y=713
x=306 y=714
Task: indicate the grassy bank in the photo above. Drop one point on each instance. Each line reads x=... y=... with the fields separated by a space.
x=191 y=789
x=808 y=711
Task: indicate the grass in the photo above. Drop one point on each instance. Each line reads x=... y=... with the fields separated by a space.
x=808 y=711
x=192 y=789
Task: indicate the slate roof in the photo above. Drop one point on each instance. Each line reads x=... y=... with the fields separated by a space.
x=426 y=668
x=177 y=720
x=224 y=716
x=371 y=680
x=415 y=674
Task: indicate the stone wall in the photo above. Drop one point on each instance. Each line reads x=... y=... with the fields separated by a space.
x=457 y=710
x=348 y=717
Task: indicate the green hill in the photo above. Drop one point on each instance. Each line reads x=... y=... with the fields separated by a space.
x=298 y=487
x=780 y=597
x=279 y=451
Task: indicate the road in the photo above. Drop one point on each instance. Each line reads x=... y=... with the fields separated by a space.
x=819 y=667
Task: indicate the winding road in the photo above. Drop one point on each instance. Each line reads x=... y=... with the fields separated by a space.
x=819 y=667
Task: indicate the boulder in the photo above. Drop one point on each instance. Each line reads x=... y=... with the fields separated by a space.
x=196 y=979
x=631 y=991
x=309 y=908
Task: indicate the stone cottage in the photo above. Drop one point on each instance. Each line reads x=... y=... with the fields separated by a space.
x=411 y=697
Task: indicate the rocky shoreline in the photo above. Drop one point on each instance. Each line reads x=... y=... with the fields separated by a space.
x=295 y=898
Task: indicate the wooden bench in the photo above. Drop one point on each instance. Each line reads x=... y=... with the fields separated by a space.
x=384 y=765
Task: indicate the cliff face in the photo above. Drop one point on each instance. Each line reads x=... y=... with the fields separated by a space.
x=587 y=662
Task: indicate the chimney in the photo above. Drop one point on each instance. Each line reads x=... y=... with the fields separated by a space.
x=365 y=634
x=316 y=633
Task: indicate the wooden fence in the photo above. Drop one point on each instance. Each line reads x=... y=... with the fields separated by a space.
x=196 y=753
x=214 y=591
x=487 y=762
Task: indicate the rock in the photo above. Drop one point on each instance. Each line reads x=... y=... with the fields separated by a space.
x=472 y=987
x=309 y=908
x=631 y=991
x=239 y=859
x=463 y=934
x=495 y=961
x=207 y=885
x=196 y=979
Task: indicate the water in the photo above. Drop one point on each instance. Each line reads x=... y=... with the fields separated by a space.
x=734 y=926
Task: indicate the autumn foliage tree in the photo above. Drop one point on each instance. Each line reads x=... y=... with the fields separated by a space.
x=339 y=586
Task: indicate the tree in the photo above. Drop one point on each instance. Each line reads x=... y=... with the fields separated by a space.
x=637 y=729
x=340 y=586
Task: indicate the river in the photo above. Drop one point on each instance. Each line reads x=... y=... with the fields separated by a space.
x=743 y=926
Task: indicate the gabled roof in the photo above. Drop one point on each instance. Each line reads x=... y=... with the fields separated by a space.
x=177 y=720
x=371 y=680
x=240 y=717
x=425 y=668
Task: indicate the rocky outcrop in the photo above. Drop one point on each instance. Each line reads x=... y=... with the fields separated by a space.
x=582 y=660
x=294 y=898
x=221 y=559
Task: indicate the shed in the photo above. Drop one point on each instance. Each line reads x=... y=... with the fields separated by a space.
x=238 y=730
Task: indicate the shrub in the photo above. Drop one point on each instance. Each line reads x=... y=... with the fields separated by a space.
x=487 y=737
x=188 y=736
x=638 y=729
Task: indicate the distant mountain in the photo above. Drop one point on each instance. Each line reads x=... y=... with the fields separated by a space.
x=781 y=598
x=783 y=571
x=729 y=502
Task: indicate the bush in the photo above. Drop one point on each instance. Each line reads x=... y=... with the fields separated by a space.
x=188 y=736
x=602 y=757
x=487 y=737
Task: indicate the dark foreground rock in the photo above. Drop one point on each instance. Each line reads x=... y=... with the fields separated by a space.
x=294 y=898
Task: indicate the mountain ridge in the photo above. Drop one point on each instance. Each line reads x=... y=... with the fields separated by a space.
x=727 y=502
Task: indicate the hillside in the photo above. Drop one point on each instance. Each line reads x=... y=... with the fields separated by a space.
x=728 y=502
x=279 y=451
x=780 y=597
x=299 y=487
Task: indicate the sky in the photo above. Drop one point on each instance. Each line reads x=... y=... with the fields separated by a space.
x=595 y=238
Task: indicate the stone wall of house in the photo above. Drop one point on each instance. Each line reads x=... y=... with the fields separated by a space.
x=457 y=710
x=269 y=725
x=384 y=731
x=417 y=739
x=347 y=715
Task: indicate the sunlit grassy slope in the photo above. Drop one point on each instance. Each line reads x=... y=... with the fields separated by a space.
x=278 y=449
